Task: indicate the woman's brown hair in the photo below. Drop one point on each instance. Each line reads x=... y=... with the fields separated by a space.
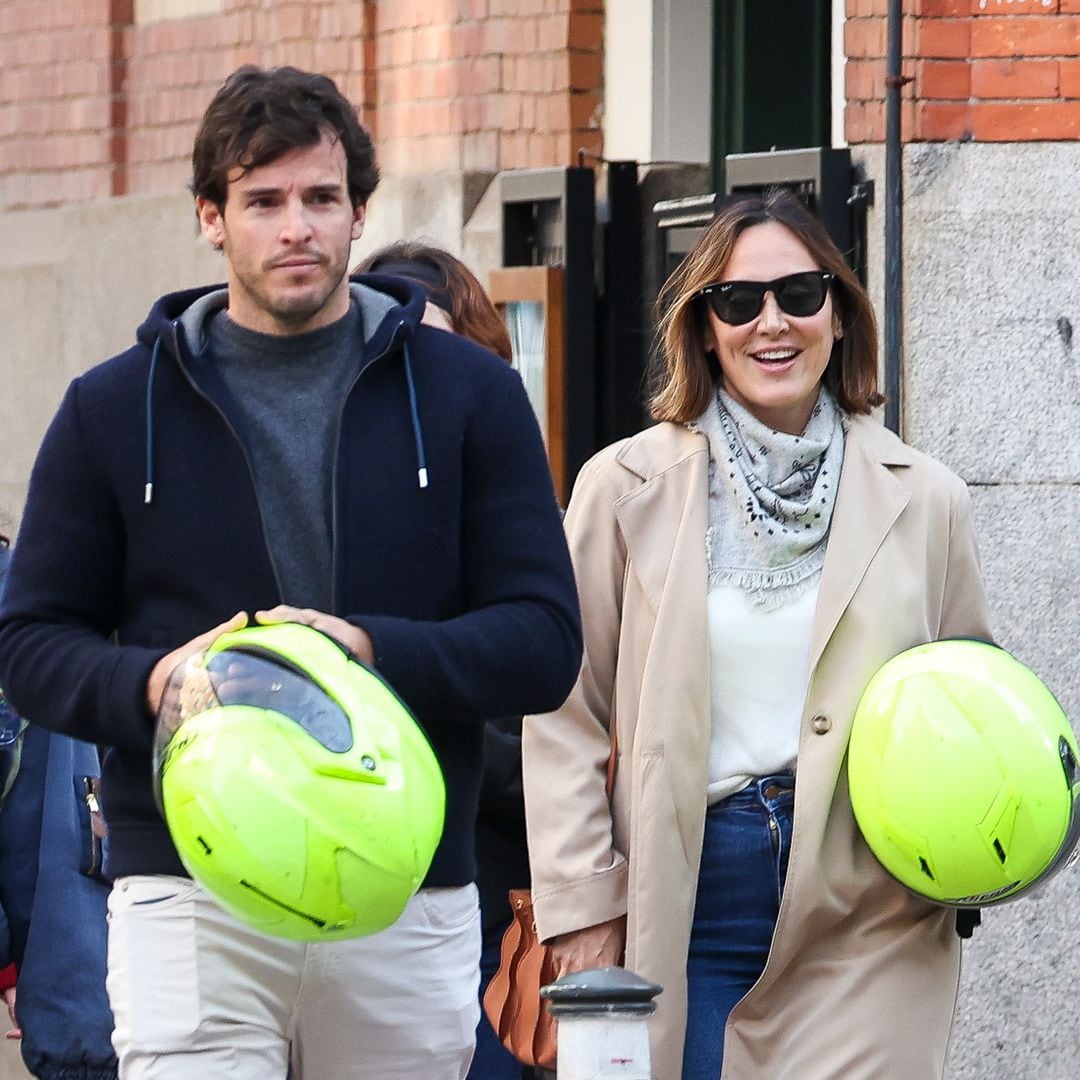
x=689 y=372
x=450 y=285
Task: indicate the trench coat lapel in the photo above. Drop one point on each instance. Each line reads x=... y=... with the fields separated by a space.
x=663 y=520
x=868 y=502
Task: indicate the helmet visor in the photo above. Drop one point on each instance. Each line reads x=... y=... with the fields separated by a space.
x=1069 y=847
x=1068 y=851
x=250 y=678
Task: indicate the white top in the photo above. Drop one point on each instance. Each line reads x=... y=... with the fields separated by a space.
x=759 y=671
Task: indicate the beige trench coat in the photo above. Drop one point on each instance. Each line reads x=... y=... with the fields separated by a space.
x=861 y=979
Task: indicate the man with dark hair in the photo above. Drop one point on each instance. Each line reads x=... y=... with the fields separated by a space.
x=257 y=116
x=297 y=447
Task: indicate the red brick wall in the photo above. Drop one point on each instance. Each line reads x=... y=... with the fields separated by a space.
x=989 y=70
x=58 y=112
x=485 y=84
x=175 y=66
x=93 y=105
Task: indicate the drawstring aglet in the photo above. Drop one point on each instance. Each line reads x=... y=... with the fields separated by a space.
x=148 y=494
x=421 y=476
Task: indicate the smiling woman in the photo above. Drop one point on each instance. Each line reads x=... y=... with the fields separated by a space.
x=744 y=567
x=772 y=361
x=706 y=322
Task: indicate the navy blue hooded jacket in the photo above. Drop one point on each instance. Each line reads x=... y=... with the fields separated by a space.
x=52 y=904
x=464 y=586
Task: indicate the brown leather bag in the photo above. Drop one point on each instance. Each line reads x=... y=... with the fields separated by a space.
x=512 y=998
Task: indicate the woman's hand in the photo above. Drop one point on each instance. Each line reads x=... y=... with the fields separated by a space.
x=597 y=946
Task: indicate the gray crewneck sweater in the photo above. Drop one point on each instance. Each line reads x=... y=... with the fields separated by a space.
x=290 y=392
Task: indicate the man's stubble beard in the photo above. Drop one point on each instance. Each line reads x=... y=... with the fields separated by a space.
x=295 y=311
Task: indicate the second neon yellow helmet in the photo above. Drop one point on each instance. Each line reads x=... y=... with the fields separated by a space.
x=963 y=774
x=298 y=789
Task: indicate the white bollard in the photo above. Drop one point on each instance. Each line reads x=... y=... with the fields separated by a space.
x=603 y=1030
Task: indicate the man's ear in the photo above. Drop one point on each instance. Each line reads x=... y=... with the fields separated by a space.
x=211 y=221
x=359 y=214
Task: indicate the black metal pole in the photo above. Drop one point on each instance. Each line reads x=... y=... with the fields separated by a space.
x=894 y=216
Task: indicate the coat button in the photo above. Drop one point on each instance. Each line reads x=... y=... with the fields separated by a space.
x=821 y=725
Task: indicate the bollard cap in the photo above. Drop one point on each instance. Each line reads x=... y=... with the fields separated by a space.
x=609 y=989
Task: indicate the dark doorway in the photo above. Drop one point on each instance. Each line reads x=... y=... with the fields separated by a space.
x=772 y=86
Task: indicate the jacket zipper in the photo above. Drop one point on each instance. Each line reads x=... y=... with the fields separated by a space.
x=251 y=472
x=97 y=825
x=243 y=450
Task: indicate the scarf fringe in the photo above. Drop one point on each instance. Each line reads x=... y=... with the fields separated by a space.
x=768 y=588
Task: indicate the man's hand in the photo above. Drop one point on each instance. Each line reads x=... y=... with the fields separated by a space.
x=159 y=674
x=352 y=637
x=597 y=946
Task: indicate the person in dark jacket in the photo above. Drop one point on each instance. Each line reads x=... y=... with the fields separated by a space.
x=52 y=897
x=457 y=302
x=289 y=447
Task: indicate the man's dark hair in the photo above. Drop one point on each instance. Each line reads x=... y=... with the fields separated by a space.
x=258 y=115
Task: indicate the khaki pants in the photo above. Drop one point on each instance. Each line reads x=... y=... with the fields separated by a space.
x=198 y=996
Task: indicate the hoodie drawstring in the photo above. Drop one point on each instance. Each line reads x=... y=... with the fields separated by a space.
x=414 y=415
x=148 y=490
x=421 y=458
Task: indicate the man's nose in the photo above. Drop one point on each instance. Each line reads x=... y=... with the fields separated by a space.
x=296 y=226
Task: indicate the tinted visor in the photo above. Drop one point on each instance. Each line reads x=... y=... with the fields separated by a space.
x=1068 y=851
x=255 y=679
x=248 y=678
x=1070 y=845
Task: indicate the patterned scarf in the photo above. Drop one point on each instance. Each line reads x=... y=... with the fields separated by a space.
x=771 y=498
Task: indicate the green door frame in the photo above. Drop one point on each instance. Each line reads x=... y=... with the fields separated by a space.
x=772 y=77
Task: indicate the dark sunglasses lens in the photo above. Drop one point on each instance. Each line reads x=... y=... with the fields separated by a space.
x=737 y=303
x=802 y=294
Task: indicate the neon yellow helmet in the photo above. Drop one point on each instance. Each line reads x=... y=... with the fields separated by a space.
x=963 y=774
x=298 y=789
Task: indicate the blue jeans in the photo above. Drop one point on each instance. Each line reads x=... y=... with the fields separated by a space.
x=743 y=866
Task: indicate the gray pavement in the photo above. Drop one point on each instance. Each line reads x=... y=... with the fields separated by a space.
x=11 y=1066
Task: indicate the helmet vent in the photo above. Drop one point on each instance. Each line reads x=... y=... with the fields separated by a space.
x=999 y=850
x=313 y=919
x=924 y=866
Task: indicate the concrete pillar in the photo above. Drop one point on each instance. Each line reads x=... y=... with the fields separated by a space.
x=603 y=1024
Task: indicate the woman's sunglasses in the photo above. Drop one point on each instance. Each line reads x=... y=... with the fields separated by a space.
x=738 y=302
